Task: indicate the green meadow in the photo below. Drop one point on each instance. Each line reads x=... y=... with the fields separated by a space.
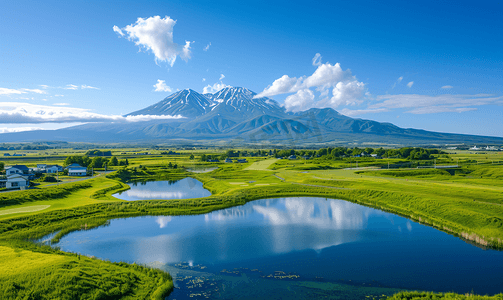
x=465 y=200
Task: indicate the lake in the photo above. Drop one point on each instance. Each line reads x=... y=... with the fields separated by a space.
x=327 y=243
x=181 y=189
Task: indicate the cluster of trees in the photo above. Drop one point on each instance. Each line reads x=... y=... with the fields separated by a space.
x=340 y=152
x=98 y=153
x=95 y=162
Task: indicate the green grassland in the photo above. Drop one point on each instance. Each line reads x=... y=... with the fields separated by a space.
x=466 y=201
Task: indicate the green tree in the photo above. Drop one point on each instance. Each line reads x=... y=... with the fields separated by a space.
x=114 y=161
x=203 y=157
x=2 y=166
x=191 y=157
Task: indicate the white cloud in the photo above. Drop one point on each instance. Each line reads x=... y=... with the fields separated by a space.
x=8 y=92
x=410 y=84
x=440 y=109
x=397 y=82
x=214 y=88
x=204 y=79
x=185 y=55
x=161 y=86
x=348 y=93
x=222 y=76
x=156 y=34
x=301 y=100
x=447 y=87
x=325 y=76
x=88 y=87
x=207 y=47
x=356 y=112
x=118 y=30
x=19 y=113
x=18 y=129
x=61 y=104
x=37 y=91
x=422 y=104
x=44 y=86
x=317 y=59
x=71 y=87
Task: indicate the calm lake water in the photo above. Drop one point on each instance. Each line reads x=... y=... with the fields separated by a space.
x=181 y=189
x=317 y=239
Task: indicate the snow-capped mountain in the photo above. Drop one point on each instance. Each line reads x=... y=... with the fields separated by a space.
x=231 y=100
x=187 y=103
x=233 y=116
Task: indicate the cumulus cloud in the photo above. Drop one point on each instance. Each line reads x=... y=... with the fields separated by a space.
x=410 y=84
x=300 y=100
x=325 y=76
x=214 y=88
x=317 y=59
x=348 y=93
x=425 y=104
x=161 y=86
x=345 y=88
x=207 y=47
x=155 y=34
x=445 y=87
x=19 y=113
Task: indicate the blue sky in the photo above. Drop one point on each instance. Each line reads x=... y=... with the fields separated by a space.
x=431 y=65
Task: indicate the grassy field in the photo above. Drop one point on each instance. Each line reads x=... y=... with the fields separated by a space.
x=466 y=202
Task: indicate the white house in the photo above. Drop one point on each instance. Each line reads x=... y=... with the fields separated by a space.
x=17 y=181
x=77 y=171
x=53 y=169
x=16 y=169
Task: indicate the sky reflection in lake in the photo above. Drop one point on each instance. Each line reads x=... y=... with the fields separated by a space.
x=328 y=238
x=181 y=189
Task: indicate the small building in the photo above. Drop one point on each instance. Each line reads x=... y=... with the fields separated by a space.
x=41 y=166
x=228 y=160
x=52 y=169
x=17 y=169
x=6 y=154
x=241 y=161
x=77 y=171
x=213 y=160
x=292 y=157
x=17 y=181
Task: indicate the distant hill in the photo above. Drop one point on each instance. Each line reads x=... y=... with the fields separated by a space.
x=232 y=115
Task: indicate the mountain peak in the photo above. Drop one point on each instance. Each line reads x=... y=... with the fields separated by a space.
x=187 y=103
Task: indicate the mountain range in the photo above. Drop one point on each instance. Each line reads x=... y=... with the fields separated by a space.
x=233 y=116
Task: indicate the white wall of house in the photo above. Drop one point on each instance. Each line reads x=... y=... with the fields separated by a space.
x=77 y=172
x=52 y=169
x=18 y=182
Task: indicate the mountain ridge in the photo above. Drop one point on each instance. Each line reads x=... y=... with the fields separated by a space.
x=234 y=115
